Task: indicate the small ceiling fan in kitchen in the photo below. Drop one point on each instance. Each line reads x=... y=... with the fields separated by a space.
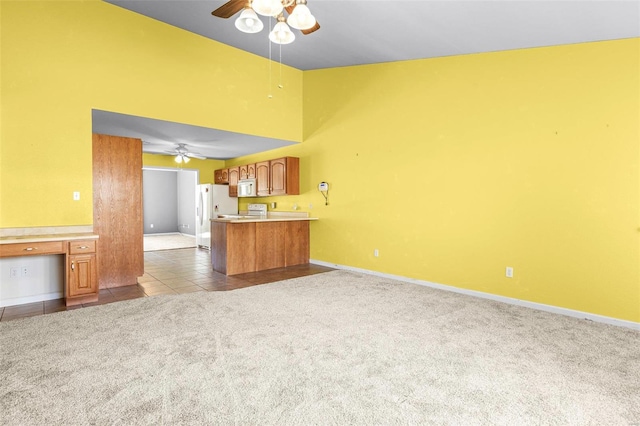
x=183 y=154
x=298 y=16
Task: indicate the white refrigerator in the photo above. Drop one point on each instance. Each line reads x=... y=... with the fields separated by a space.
x=211 y=200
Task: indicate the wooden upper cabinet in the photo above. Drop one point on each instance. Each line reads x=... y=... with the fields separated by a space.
x=274 y=177
x=244 y=171
x=285 y=176
x=263 y=178
x=248 y=171
x=278 y=177
x=234 y=175
x=221 y=176
x=251 y=171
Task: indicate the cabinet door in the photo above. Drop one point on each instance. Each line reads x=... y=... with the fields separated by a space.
x=244 y=171
x=251 y=171
x=234 y=174
x=83 y=278
x=221 y=176
x=262 y=178
x=278 y=177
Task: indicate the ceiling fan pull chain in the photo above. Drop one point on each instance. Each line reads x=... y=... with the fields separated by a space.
x=280 y=83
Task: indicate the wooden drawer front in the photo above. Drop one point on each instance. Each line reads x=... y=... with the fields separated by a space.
x=79 y=247
x=31 y=249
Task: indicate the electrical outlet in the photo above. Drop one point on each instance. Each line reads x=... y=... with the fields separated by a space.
x=14 y=272
x=76 y=195
x=509 y=272
x=25 y=271
x=376 y=253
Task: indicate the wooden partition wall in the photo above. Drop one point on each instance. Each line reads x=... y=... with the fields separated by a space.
x=117 y=209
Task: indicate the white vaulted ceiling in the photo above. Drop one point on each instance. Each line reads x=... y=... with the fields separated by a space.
x=357 y=32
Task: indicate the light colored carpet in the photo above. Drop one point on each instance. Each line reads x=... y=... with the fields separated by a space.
x=168 y=242
x=333 y=348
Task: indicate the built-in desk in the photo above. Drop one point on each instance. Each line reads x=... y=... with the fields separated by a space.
x=79 y=251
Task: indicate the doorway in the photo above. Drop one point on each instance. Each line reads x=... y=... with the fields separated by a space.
x=169 y=208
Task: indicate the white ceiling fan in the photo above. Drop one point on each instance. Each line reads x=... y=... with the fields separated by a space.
x=184 y=155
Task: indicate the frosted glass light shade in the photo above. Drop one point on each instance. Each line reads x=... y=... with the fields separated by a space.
x=281 y=34
x=248 y=22
x=267 y=7
x=186 y=159
x=178 y=159
x=301 y=18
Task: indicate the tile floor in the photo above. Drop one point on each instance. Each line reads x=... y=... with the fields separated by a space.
x=170 y=272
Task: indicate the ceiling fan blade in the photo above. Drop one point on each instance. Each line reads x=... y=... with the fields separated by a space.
x=197 y=156
x=229 y=9
x=316 y=27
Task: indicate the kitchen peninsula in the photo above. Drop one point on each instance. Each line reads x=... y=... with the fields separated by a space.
x=242 y=244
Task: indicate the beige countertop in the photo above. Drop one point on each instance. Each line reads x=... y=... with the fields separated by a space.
x=48 y=237
x=270 y=217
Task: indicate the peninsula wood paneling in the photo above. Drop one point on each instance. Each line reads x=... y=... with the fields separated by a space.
x=219 y=246
x=297 y=247
x=241 y=247
x=241 y=244
x=270 y=242
x=117 y=209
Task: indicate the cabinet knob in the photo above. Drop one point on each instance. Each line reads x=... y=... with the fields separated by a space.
x=73 y=267
x=82 y=247
x=30 y=249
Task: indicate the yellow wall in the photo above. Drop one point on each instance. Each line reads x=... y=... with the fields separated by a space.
x=455 y=168
x=60 y=59
x=204 y=167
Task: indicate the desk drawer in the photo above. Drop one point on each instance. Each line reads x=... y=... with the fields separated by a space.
x=31 y=249
x=82 y=246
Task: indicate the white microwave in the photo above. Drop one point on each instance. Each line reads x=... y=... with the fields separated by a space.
x=247 y=188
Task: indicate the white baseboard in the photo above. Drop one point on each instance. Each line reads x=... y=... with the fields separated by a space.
x=30 y=299
x=169 y=233
x=497 y=298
